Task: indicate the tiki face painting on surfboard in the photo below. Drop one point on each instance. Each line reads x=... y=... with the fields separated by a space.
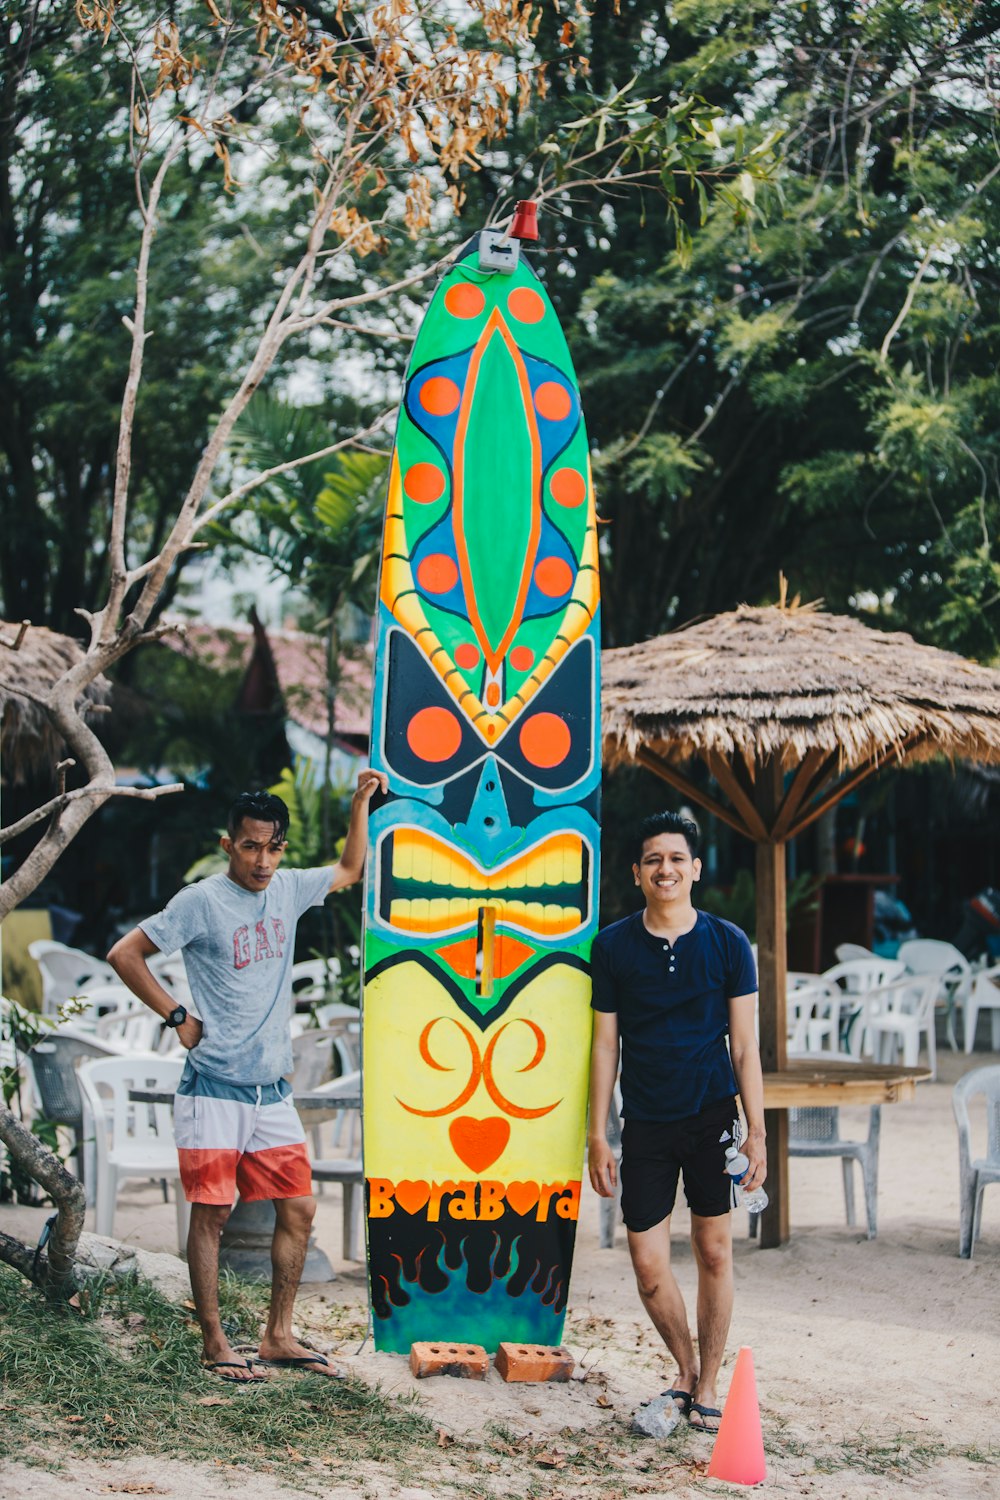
x=482 y=883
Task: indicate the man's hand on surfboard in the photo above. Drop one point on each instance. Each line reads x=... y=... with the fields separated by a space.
x=370 y=782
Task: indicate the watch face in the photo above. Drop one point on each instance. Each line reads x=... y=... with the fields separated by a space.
x=177 y=1017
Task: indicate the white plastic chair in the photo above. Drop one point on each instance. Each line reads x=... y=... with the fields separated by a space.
x=169 y=969
x=140 y=1030
x=67 y=971
x=814 y=1015
x=896 y=1015
x=847 y=951
x=313 y=978
x=132 y=1140
x=855 y=977
x=983 y=994
x=953 y=971
x=976 y=1175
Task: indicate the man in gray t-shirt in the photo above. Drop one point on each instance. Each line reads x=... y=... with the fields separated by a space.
x=234 y=1119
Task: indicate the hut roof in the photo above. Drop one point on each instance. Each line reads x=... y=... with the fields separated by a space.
x=785 y=680
x=27 y=741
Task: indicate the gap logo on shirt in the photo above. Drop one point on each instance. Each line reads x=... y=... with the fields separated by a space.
x=254 y=947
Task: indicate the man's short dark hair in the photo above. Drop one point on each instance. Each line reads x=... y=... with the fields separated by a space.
x=668 y=822
x=261 y=807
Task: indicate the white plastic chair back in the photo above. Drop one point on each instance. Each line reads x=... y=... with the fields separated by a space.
x=846 y=951
x=169 y=969
x=139 y=1029
x=814 y=1017
x=896 y=1015
x=131 y=1139
x=976 y=1174
x=315 y=977
x=66 y=971
x=858 y=975
x=931 y=956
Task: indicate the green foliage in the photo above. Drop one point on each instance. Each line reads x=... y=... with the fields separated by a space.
x=69 y=228
x=318 y=525
x=738 y=902
x=298 y=790
x=817 y=392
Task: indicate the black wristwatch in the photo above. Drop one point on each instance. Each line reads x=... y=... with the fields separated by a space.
x=176 y=1018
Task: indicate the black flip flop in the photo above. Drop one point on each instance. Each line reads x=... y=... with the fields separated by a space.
x=682 y=1400
x=703 y=1412
x=235 y=1364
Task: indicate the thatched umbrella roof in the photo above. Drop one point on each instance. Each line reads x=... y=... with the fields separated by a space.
x=27 y=740
x=761 y=682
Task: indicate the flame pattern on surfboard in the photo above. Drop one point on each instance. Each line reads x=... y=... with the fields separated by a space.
x=482 y=885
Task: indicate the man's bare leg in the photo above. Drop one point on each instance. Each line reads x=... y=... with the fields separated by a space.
x=293 y=1221
x=207 y=1223
x=712 y=1242
x=661 y=1297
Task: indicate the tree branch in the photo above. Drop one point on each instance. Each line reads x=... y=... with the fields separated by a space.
x=98 y=793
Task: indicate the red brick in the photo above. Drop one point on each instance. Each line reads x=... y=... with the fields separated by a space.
x=468 y=1361
x=533 y=1362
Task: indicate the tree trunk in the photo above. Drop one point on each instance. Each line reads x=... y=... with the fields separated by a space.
x=53 y=1271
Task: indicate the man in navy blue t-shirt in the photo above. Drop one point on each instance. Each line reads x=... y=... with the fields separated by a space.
x=670 y=983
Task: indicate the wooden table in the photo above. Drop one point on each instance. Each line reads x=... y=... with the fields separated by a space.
x=819 y=1082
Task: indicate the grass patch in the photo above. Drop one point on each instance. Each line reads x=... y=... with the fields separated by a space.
x=125 y=1377
x=905 y=1453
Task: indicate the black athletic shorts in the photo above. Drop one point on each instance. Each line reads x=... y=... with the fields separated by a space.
x=654 y=1154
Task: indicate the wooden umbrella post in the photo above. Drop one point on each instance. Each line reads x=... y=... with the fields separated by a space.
x=772 y=981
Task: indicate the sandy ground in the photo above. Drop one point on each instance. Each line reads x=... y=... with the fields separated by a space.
x=859 y=1347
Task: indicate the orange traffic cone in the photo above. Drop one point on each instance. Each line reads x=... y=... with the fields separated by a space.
x=738 y=1455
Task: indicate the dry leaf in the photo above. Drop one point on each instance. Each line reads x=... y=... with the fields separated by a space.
x=294 y=1454
x=212 y=1401
x=76 y=1419
x=602 y=1400
x=550 y=1461
x=444 y=1438
x=188 y=1303
x=109 y=1419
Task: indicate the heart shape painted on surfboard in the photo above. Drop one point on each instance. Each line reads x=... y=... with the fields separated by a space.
x=479 y=1142
x=412 y=1196
x=522 y=1196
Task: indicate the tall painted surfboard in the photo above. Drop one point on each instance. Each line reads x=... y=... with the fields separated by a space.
x=481 y=897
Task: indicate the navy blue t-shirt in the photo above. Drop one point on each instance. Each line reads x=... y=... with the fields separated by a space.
x=673 y=1011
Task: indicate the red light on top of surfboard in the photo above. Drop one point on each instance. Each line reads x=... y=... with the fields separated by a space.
x=525 y=225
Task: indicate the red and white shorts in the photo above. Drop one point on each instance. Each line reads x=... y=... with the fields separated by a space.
x=239 y=1138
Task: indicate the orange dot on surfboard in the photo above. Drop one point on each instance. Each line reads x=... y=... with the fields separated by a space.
x=567 y=487
x=551 y=400
x=544 y=740
x=466 y=656
x=424 y=483
x=464 y=301
x=434 y=734
x=438 y=573
x=522 y=658
x=525 y=305
x=554 y=577
x=493 y=695
x=439 y=396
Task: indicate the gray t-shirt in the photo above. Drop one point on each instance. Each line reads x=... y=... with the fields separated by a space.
x=238 y=947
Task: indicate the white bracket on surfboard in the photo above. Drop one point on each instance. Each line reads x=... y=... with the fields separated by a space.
x=498 y=251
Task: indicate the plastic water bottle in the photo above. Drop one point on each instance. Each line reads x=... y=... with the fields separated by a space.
x=737 y=1165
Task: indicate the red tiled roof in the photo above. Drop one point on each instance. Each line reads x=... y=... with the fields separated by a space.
x=299 y=660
